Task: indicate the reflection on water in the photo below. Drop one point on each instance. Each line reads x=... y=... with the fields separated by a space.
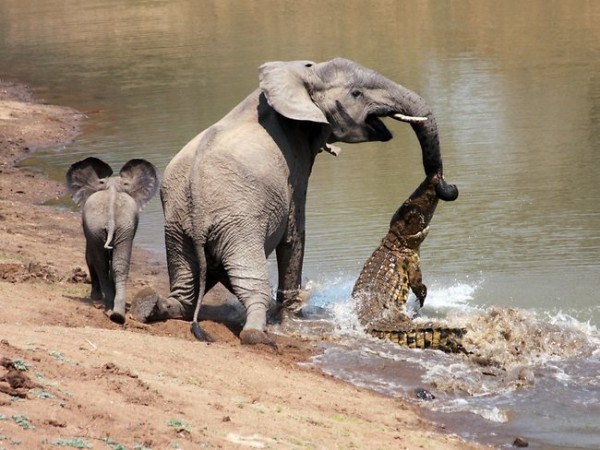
x=515 y=87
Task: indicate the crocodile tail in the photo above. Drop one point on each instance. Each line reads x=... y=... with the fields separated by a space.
x=446 y=339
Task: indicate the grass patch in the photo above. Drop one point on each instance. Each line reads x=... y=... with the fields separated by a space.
x=114 y=445
x=23 y=421
x=77 y=290
x=73 y=442
x=21 y=365
x=179 y=425
x=41 y=394
x=57 y=355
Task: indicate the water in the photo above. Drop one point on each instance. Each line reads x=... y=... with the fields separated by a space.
x=516 y=90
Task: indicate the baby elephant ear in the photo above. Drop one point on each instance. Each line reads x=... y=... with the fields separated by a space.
x=86 y=177
x=139 y=178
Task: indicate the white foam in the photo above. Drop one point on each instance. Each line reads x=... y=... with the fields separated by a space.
x=494 y=414
x=334 y=295
x=456 y=296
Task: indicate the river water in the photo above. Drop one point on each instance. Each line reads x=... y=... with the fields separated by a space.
x=515 y=87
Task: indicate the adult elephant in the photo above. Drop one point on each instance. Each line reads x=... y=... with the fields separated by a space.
x=237 y=191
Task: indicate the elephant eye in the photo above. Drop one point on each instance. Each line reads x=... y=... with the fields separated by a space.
x=356 y=93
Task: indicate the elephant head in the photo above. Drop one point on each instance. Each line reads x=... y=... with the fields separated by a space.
x=110 y=206
x=137 y=177
x=350 y=100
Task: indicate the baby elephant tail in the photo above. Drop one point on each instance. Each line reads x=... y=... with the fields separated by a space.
x=432 y=336
x=110 y=227
x=198 y=332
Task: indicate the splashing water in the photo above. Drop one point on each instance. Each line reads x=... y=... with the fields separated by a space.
x=521 y=362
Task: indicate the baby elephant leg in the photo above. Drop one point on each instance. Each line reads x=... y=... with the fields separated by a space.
x=121 y=259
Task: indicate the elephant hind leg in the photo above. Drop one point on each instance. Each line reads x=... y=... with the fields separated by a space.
x=96 y=292
x=121 y=259
x=144 y=307
x=149 y=306
x=249 y=280
x=98 y=262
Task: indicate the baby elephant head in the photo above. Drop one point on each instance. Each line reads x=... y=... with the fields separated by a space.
x=110 y=207
x=137 y=177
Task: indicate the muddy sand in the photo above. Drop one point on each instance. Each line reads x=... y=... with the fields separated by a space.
x=71 y=378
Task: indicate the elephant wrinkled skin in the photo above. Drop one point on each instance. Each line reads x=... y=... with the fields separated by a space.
x=110 y=208
x=237 y=191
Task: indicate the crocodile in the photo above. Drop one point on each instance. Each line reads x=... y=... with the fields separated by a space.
x=381 y=290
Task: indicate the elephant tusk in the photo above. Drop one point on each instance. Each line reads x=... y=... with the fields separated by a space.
x=408 y=119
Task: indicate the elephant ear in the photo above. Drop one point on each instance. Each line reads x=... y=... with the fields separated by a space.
x=86 y=177
x=139 y=178
x=285 y=87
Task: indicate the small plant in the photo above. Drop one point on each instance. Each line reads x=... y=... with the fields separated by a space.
x=113 y=444
x=140 y=447
x=73 y=442
x=23 y=421
x=57 y=355
x=21 y=365
x=41 y=394
x=179 y=425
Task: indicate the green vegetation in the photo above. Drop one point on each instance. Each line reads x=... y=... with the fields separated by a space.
x=23 y=421
x=179 y=425
x=21 y=365
x=73 y=442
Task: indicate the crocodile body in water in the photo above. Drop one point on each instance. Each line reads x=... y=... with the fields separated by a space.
x=382 y=288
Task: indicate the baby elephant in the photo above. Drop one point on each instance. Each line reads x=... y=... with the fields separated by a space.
x=110 y=206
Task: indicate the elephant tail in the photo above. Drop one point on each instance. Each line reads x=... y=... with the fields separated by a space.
x=110 y=225
x=432 y=336
x=198 y=332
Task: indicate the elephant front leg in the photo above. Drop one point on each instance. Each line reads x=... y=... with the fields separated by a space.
x=290 y=256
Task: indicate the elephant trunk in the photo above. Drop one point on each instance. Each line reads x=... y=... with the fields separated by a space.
x=425 y=127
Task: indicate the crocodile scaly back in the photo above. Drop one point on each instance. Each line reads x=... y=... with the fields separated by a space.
x=382 y=288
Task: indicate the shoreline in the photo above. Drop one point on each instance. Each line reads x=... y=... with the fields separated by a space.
x=140 y=384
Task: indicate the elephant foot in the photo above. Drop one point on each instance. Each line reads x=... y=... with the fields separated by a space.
x=117 y=317
x=145 y=306
x=200 y=334
x=253 y=337
x=289 y=306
